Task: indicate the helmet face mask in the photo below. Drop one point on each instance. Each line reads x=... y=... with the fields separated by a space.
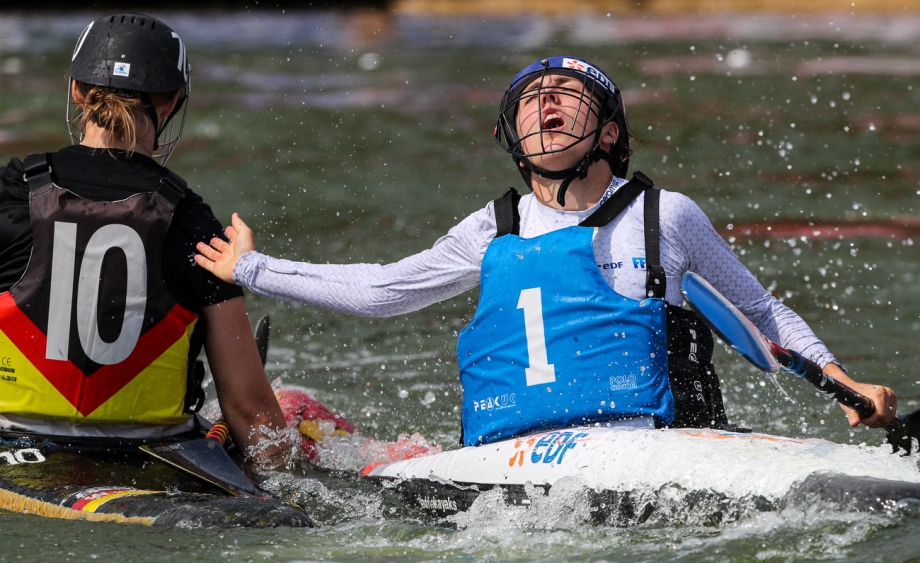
x=597 y=102
x=135 y=56
x=523 y=106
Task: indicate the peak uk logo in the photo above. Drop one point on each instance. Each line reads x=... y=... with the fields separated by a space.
x=498 y=402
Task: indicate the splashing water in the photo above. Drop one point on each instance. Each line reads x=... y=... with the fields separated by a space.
x=353 y=452
x=332 y=442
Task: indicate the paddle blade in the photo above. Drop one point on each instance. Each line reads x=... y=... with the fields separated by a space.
x=902 y=432
x=728 y=322
x=207 y=460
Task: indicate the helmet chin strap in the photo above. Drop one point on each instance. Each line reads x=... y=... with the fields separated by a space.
x=152 y=114
x=158 y=127
x=568 y=175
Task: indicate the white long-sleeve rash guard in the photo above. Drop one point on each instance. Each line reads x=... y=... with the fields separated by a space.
x=688 y=243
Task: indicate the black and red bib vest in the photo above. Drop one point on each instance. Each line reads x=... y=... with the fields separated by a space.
x=90 y=333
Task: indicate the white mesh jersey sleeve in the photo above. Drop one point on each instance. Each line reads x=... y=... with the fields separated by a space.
x=688 y=235
x=445 y=270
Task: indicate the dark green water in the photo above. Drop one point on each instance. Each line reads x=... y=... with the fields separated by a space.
x=358 y=137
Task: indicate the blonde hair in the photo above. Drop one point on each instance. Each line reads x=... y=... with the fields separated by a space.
x=116 y=111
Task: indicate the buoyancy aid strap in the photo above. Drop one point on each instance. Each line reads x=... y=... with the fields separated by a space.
x=615 y=205
x=37 y=174
x=37 y=170
x=172 y=187
x=507 y=216
x=656 y=281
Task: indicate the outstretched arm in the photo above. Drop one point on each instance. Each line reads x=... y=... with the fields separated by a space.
x=445 y=270
x=246 y=398
x=221 y=257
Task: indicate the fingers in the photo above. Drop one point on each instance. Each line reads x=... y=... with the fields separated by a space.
x=214 y=258
x=204 y=262
x=853 y=418
x=243 y=239
x=236 y=225
x=208 y=252
x=883 y=399
x=213 y=252
x=237 y=222
x=886 y=407
x=219 y=256
x=219 y=245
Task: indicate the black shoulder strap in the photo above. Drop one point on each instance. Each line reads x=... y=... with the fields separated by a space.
x=655 y=279
x=507 y=216
x=609 y=210
x=508 y=221
x=37 y=173
x=37 y=170
x=172 y=187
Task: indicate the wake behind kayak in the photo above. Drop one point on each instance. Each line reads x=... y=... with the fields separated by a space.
x=125 y=485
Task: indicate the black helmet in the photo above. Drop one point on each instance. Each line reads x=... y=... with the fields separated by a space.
x=136 y=55
x=595 y=84
x=130 y=52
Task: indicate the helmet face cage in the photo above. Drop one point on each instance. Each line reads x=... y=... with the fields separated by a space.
x=134 y=55
x=597 y=95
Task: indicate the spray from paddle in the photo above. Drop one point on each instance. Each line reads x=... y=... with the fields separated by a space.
x=738 y=331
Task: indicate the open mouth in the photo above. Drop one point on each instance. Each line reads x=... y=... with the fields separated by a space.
x=552 y=121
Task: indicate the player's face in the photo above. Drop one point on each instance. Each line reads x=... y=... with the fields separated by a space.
x=556 y=117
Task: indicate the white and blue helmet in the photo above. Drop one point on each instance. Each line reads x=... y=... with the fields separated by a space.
x=596 y=85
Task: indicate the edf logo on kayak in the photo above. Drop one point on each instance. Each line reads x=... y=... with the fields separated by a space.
x=549 y=448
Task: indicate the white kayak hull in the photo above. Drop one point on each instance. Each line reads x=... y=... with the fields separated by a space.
x=605 y=461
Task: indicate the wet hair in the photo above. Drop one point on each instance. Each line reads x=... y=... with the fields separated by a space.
x=119 y=112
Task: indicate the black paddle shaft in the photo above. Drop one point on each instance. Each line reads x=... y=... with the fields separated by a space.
x=796 y=364
x=900 y=430
x=732 y=326
x=898 y=434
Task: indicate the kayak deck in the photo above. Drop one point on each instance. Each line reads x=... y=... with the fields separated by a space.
x=625 y=475
x=48 y=479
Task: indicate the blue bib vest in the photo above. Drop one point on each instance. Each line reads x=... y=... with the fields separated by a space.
x=552 y=344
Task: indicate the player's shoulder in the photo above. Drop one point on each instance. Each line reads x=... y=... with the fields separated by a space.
x=679 y=204
x=11 y=178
